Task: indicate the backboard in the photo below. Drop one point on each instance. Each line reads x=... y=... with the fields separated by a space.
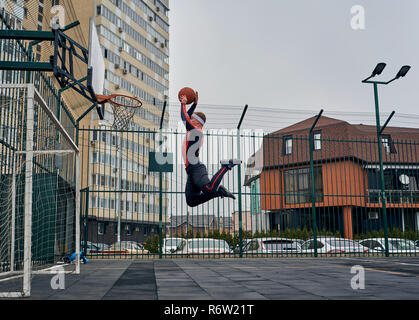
x=95 y=65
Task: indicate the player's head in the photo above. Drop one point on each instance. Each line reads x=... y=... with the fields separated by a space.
x=198 y=119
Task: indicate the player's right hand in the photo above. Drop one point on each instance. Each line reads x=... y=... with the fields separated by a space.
x=183 y=99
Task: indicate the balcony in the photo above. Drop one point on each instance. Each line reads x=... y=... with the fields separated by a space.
x=394 y=196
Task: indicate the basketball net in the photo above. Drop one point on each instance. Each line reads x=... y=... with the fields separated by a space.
x=123 y=107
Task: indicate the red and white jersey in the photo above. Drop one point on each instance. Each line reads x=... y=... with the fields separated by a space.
x=194 y=138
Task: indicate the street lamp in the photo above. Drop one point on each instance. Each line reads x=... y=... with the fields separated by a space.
x=377 y=71
x=402 y=72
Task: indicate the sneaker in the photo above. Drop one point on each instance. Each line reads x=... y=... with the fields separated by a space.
x=223 y=192
x=230 y=163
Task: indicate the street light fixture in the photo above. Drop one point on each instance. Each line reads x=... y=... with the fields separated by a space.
x=402 y=71
x=377 y=71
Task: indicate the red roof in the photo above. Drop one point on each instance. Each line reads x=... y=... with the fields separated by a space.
x=339 y=139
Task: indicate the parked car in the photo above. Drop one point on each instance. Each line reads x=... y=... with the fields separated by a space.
x=170 y=244
x=236 y=249
x=395 y=245
x=101 y=246
x=90 y=248
x=333 y=245
x=202 y=246
x=299 y=241
x=272 y=245
x=417 y=243
x=125 y=247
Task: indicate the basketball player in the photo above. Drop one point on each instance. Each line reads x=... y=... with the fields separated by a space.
x=199 y=188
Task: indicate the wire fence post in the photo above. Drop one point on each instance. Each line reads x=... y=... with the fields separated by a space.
x=240 y=185
x=313 y=189
x=86 y=218
x=161 y=188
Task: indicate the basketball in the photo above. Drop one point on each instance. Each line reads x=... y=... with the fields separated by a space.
x=189 y=93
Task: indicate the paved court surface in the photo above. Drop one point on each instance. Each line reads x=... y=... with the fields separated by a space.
x=235 y=279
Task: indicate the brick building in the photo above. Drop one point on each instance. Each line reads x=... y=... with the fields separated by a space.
x=198 y=223
x=346 y=177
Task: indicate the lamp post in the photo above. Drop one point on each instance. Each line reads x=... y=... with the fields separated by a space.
x=377 y=71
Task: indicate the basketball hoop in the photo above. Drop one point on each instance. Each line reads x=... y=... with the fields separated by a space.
x=123 y=106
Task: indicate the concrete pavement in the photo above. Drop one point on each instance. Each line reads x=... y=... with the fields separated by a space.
x=235 y=279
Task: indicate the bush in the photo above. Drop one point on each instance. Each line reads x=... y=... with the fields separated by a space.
x=152 y=244
x=393 y=233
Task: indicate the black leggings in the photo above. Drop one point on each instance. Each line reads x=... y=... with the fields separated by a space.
x=199 y=188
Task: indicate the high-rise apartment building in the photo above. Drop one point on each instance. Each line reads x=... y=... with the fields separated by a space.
x=134 y=37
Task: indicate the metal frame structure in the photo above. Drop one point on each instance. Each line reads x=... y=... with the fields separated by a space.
x=61 y=63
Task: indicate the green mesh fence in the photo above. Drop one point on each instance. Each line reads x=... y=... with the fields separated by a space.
x=290 y=206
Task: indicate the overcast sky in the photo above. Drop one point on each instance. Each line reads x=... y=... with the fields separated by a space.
x=296 y=55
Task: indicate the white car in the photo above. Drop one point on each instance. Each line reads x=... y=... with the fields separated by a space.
x=236 y=249
x=203 y=246
x=395 y=245
x=332 y=245
x=125 y=247
x=170 y=244
x=273 y=245
x=91 y=247
x=101 y=246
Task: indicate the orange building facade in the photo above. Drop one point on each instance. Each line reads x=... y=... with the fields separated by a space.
x=347 y=184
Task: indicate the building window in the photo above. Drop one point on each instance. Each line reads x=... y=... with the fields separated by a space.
x=388 y=144
x=93 y=202
x=317 y=143
x=287 y=149
x=298 y=185
x=100 y=228
x=55 y=2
